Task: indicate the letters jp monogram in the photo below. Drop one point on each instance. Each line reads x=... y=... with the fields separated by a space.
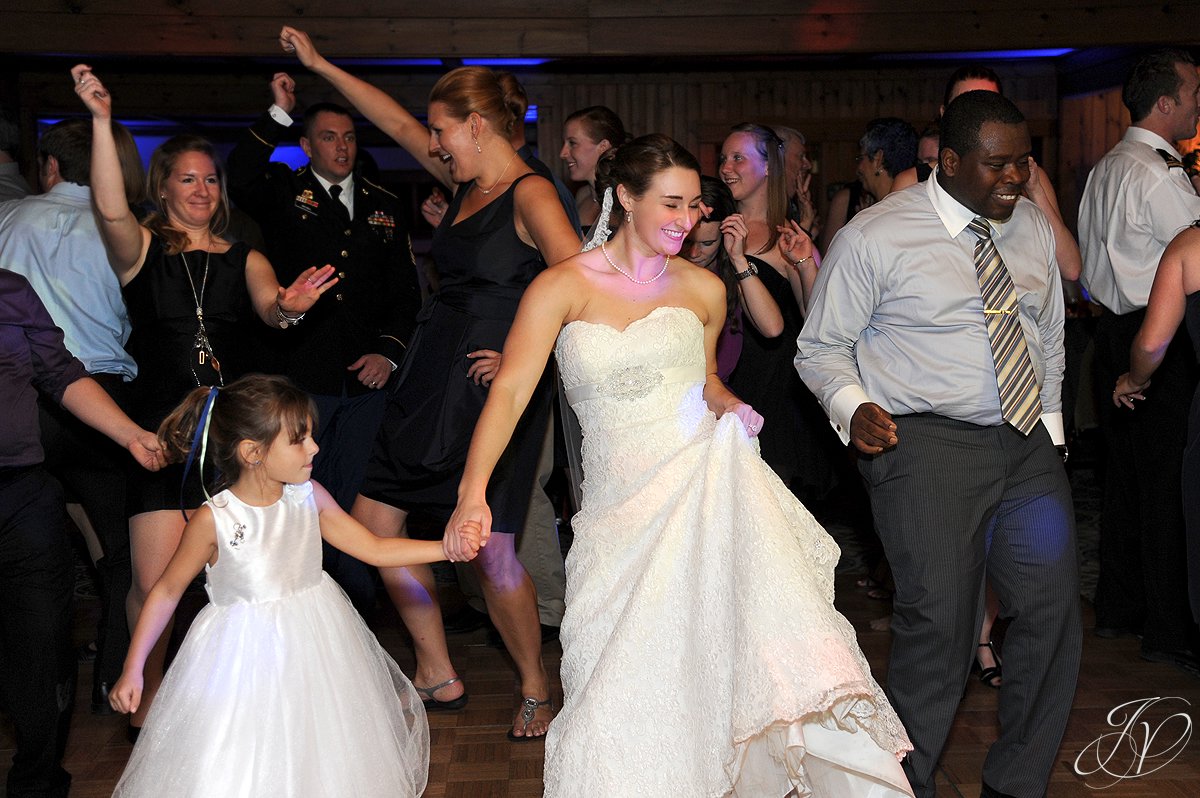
x=1135 y=748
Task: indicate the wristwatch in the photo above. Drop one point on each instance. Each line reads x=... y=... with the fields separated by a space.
x=751 y=271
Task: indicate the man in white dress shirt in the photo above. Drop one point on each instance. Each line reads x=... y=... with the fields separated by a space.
x=1138 y=197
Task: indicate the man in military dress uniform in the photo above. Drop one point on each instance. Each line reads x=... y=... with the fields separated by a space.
x=343 y=352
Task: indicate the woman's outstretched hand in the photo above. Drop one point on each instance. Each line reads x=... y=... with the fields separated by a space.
x=307 y=288
x=92 y=91
x=795 y=245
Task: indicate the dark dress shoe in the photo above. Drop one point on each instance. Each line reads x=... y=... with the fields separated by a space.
x=87 y=652
x=1114 y=632
x=1183 y=660
x=990 y=792
x=100 y=705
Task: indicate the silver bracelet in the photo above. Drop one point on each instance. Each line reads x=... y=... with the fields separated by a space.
x=286 y=319
x=802 y=260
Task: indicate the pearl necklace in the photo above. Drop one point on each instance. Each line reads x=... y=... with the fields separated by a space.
x=630 y=277
x=486 y=191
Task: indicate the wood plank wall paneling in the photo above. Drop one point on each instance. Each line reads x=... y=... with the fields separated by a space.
x=831 y=107
x=582 y=27
x=1090 y=125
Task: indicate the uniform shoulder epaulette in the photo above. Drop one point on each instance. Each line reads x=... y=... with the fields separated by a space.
x=378 y=187
x=1171 y=161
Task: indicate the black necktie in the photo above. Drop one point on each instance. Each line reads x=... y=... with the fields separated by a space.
x=339 y=207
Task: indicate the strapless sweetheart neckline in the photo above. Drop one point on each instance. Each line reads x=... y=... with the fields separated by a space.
x=636 y=321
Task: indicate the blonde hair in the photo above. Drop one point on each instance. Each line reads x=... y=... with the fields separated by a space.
x=771 y=147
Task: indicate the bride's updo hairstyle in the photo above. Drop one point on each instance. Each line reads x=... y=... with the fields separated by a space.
x=255 y=408
x=636 y=164
x=478 y=90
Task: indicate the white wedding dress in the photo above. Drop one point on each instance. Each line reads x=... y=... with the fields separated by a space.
x=702 y=655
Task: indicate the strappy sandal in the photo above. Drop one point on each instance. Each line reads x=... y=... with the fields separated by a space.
x=989 y=676
x=529 y=708
x=433 y=705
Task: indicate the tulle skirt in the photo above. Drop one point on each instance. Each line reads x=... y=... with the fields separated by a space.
x=289 y=698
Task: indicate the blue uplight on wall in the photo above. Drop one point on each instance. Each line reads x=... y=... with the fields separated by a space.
x=980 y=55
x=504 y=62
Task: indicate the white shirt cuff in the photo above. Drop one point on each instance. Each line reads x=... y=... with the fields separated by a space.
x=279 y=115
x=842 y=407
x=1054 y=425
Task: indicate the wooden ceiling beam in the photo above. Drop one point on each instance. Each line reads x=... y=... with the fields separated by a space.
x=566 y=28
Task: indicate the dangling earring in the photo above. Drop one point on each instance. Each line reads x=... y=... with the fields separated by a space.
x=475 y=138
x=628 y=217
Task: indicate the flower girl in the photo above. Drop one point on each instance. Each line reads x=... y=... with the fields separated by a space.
x=279 y=688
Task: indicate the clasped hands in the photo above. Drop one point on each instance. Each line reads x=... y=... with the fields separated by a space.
x=467 y=531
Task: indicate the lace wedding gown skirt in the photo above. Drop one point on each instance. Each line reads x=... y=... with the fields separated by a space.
x=702 y=655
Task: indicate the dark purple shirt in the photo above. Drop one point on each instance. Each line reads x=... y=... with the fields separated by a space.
x=32 y=359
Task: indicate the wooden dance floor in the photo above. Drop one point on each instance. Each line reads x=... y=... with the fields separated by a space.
x=472 y=759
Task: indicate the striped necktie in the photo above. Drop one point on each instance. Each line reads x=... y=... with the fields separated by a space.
x=1019 y=402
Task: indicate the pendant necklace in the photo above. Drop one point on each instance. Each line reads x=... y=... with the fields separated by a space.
x=486 y=191
x=630 y=277
x=201 y=346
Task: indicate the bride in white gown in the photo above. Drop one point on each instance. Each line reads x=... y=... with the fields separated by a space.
x=702 y=655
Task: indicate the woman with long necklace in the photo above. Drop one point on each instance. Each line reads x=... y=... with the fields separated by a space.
x=503 y=226
x=188 y=290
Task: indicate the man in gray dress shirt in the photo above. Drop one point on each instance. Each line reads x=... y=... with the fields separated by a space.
x=897 y=349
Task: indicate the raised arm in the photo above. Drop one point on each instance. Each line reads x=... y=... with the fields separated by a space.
x=803 y=261
x=1066 y=251
x=197 y=547
x=125 y=239
x=254 y=183
x=759 y=306
x=384 y=112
